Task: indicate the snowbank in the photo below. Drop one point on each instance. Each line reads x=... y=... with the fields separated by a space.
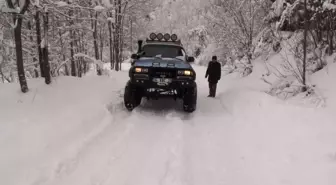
x=323 y=81
x=272 y=141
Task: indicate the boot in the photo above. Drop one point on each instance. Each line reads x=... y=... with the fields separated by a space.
x=213 y=90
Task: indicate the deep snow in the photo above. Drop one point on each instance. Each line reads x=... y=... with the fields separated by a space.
x=76 y=131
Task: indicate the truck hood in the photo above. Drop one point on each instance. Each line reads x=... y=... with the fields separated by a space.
x=162 y=62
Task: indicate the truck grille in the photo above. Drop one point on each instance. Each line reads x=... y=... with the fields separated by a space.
x=163 y=73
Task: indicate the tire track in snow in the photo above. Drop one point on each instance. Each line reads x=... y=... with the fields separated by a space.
x=143 y=147
x=174 y=154
x=207 y=152
x=174 y=166
x=152 y=154
x=108 y=153
x=69 y=164
x=111 y=157
x=154 y=151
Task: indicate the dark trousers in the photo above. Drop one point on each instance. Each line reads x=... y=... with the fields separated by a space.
x=212 y=89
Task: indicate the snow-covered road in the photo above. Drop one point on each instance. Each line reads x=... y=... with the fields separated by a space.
x=155 y=144
x=241 y=137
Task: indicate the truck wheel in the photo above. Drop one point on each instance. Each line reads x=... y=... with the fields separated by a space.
x=132 y=97
x=190 y=100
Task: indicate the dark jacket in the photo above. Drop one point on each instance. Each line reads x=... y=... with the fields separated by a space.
x=214 y=71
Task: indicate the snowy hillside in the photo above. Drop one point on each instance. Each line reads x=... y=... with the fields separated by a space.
x=78 y=132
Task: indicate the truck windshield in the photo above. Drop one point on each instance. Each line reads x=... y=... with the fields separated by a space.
x=165 y=51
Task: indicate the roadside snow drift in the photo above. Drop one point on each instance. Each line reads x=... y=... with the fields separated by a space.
x=76 y=131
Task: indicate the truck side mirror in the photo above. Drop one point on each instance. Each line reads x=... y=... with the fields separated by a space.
x=134 y=56
x=191 y=59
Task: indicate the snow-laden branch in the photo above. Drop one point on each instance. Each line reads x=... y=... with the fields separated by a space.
x=329 y=6
x=61 y=65
x=93 y=60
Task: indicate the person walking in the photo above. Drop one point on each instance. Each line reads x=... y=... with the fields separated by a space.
x=213 y=73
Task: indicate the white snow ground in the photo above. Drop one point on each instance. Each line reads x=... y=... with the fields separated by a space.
x=76 y=132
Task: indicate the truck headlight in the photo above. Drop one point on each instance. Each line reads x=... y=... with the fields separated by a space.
x=141 y=70
x=185 y=72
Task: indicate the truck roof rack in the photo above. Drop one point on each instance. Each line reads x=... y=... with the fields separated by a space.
x=178 y=42
x=163 y=38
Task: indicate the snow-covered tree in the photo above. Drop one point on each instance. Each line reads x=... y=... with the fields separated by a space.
x=56 y=35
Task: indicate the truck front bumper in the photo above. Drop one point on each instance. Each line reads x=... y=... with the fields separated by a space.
x=167 y=84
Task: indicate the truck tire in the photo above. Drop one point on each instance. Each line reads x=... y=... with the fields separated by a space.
x=132 y=97
x=190 y=100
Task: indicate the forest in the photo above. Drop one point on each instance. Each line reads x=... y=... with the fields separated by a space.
x=46 y=38
x=80 y=104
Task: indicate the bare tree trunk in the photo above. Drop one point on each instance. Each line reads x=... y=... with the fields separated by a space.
x=71 y=34
x=76 y=46
x=2 y=75
x=95 y=37
x=17 y=18
x=118 y=35
x=114 y=38
x=331 y=36
x=19 y=56
x=313 y=36
x=121 y=41
x=101 y=44
x=81 y=45
x=305 y=47
x=95 y=41
x=80 y=69
x=331 y=42
x=73 y=65
x=39 y=40
x=80 y=50
x=36 y=74
x=319 y=35
x=111 y=43
x=36 y=71
x=29 y=26
x=66 y=69
x=45 y=49
x=72 y=60
x=53 y=25
x=131 y=35
x=85 y=66
x=250 y=42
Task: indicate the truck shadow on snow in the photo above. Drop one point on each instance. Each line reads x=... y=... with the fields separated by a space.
x=161 y=105
x=164 y=107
